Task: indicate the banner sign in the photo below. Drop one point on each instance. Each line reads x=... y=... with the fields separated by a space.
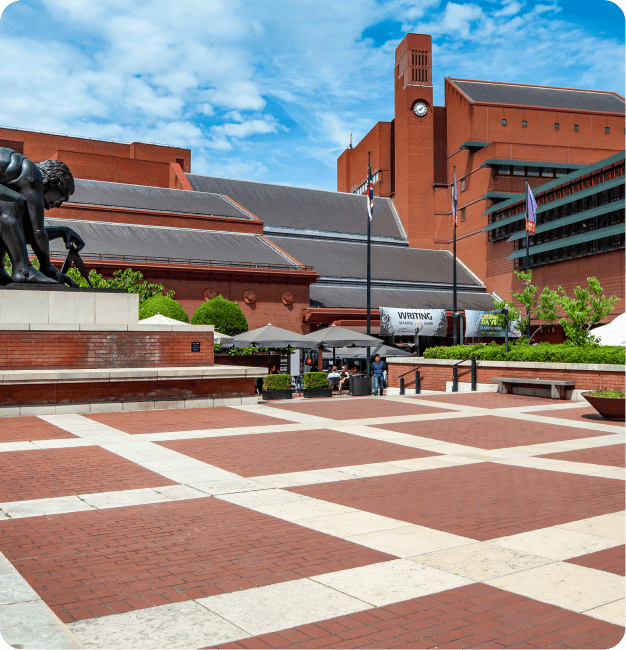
x=486 y=323
x=411 y=322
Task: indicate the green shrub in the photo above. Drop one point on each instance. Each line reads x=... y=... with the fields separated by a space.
x=315 y=380
x=608 y=392
x=163 y=305
x=277 y=382
x=542 y=353
x=225 y=315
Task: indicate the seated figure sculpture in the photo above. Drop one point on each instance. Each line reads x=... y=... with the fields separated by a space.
x=27 y=190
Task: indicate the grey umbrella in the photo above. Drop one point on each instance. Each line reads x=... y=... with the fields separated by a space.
x=361 y=353
x=338 y=337
x=271 y=336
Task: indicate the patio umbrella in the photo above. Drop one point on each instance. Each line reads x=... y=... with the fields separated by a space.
x=159 y=319
x=338 y=337
x=361 y=353
x=271 y=336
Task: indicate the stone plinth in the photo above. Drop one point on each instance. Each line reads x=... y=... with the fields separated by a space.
x=55 y=304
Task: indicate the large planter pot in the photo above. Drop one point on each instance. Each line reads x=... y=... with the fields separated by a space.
x=277 y=394
x=317 y=392
x=610 y=408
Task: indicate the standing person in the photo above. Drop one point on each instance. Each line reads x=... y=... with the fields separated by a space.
x=378 y=368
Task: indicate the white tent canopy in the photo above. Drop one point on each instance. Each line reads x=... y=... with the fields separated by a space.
x=613 y=333
x=159 y=319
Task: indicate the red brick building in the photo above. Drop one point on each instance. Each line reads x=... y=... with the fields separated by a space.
x=498 y=136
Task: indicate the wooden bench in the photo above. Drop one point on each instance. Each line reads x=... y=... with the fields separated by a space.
x=558 y=387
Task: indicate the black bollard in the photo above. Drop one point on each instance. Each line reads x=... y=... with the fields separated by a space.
x=401 y=385
x=473 y=372
x=455 y=379
x=418 y=382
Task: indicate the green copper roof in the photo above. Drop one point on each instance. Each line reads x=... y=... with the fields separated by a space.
x=572 y=218
x=494 y=162
x=592 y=235
x=473 y=144
x=502 y=195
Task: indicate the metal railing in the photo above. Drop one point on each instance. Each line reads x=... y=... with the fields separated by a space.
x=418 y=380
x=455 y=373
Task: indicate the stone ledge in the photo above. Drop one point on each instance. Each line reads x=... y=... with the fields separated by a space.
x=9 y=377
x=110 y=327
x=522 y=365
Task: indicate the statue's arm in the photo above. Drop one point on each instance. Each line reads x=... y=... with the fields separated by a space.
x=70 y=237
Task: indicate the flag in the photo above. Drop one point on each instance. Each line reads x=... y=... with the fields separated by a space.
x=531 y=211
x=370 y=192
x=454 y=201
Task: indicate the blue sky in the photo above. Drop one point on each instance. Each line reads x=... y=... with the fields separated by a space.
x=270 y=90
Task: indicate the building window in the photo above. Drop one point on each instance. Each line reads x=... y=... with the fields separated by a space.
x=556 y=126
x=532 y=171
x=504 y=170
x=575 y=127
x=463 y=214
x=524 y=123
x=462 y=185
x=607 y=129
x=547 y=172
x=503 y=122
x=518 y=170
x=181 y=162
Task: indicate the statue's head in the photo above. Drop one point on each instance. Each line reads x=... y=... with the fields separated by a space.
x=58 y=182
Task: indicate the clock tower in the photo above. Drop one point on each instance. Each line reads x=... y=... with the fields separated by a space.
x=414 y=140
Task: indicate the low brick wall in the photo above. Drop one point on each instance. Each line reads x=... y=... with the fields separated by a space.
x=434 y=373
x=28 y=349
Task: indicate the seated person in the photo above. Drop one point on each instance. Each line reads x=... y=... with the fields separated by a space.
x=344 y=377
x=334 y=377
x=354 y=370
x=274 y=371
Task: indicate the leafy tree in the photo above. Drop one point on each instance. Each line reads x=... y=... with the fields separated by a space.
x=585 y=310
x=163 y=305
x=225 y=315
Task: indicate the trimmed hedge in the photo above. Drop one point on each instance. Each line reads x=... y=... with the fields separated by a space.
x=277 y=382
x=163 y=305
x=225 y=315
x=315 y=380
x=542 y=352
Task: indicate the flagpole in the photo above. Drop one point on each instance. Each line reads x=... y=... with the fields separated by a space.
x=454 y=324
x=369 y=278
x=527 y=256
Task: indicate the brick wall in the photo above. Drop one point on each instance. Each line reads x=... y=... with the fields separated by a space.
x=47 y=350
x=435 y=376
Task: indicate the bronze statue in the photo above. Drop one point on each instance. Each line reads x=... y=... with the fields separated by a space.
x=27 y=190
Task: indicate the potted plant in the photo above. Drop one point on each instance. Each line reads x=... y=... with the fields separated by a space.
x=316 y=385
x=609 y=403
x=277 y=387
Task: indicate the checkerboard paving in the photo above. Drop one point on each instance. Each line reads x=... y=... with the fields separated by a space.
x=29 y=427
x=275 y=453
x=464 y=520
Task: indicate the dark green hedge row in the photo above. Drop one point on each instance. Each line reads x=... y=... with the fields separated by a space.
x=315 y=380
x=543 y=352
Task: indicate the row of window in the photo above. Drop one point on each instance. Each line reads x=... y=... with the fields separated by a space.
x=362 y=189
x=570 y=252
x=557 y=126
x=519 y=170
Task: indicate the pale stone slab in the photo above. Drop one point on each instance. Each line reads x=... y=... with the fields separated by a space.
x=556 y=543
x=17 y=446
x=281 y=606
x=480 y=561
x=617 y=473
x=391 y=582
x=179 y=462
x=568 y=467
x=34 y=625
x=5 y=565
x=409 y=540
x=62 y=443
x=37 y=410
x=304 y=509
x=611 y=526
x=194 y=476
x=371 y=469
x=349 y=525
x=428 y=462
x=123 y=498
x=38 y=507
x=14 y=589
x=229 y=486
x=178 y=625
x=612 y=612
x=180 y=492
x=565 y=585
x=303 y=478
x=262 y=498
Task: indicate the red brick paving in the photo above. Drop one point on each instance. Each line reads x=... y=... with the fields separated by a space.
x=356 y=408
x=581 y=414
x=481 y=501
x=487 y=400
x=609 y=559
x=467 y=617
x=30 y=427
x=490 y=432
x=276 y=453
x=612 y=455
x=218 y=417
x=109 y=561
x=45 y=473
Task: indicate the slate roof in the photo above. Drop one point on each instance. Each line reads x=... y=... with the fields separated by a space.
x=388 y=262
x=356 y=298
x=133 y=241
x=304 y=209
x=503 y=93
x=141 y=197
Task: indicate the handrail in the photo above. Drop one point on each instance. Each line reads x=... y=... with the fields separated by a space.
x=471 y=356
x=408 y=371
x=455 y=373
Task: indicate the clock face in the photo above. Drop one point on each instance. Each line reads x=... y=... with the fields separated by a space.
x=420 y=109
